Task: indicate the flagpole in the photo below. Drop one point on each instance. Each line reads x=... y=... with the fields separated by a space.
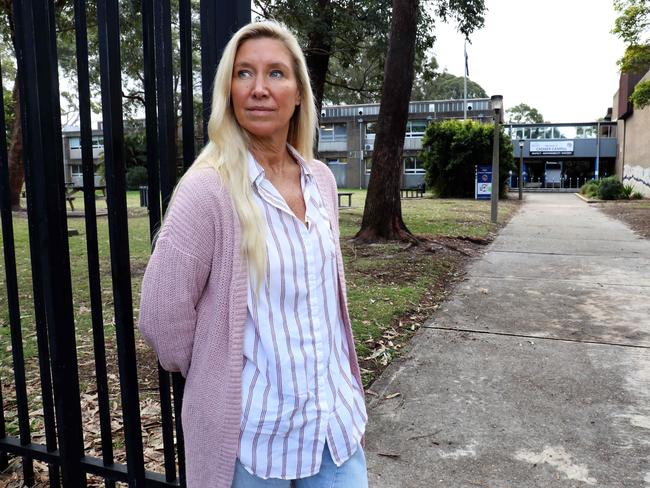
x=465 y=83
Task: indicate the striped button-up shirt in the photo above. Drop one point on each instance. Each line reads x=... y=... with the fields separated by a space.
x=297 y=388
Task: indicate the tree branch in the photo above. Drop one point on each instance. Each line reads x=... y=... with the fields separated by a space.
x=137 y=96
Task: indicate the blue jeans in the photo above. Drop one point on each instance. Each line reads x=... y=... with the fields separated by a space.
x=351 y=474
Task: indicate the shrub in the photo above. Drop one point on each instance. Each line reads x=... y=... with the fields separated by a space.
x=627 y=191
x=637 y=195
x=135 y=177
x=610 y=188
x=452 y=149
x=590 y=189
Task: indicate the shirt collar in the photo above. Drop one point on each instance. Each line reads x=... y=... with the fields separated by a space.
x=256 y=172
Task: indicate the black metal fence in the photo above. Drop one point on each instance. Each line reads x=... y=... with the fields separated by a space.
x=63 y=448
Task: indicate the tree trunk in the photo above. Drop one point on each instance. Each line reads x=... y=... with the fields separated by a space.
x=319 y=49
x=15 y=156
x=382 y=215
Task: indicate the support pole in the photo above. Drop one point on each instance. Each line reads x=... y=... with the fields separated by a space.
x=521 y=170
x=495 y=171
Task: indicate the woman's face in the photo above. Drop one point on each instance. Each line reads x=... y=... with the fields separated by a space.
x=264 y=89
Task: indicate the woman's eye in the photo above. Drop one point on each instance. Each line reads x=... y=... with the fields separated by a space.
x=244 y=74
x=276 y=73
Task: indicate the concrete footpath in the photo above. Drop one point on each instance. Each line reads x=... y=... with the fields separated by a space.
x=535 y=373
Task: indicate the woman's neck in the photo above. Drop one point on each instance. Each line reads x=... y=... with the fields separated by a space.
x=272 y=157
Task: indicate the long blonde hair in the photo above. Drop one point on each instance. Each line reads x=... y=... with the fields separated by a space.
x=228 y=145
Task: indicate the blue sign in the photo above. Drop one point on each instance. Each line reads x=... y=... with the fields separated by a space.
x=483 y=190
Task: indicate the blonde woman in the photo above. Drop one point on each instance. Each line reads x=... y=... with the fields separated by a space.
x=244 y=293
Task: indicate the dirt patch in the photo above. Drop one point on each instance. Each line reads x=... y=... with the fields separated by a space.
x=399 y=268
x=635 y=213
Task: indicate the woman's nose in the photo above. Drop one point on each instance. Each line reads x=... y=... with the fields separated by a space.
x=260 y=88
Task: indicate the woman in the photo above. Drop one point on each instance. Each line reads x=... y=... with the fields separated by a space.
x=244 y=293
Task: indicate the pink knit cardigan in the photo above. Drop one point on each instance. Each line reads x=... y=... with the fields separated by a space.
x=193 y=310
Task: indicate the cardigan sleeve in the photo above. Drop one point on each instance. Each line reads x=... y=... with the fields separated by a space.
x=176 y=275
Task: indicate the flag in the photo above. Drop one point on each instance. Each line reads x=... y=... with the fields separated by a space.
x=466 y=64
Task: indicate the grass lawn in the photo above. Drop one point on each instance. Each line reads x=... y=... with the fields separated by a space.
x=392 y=289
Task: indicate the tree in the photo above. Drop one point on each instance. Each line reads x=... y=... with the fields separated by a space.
x=524 y=114
x=8 y=70
x=345 y=43
x=451 y=149
x=446 y=86
x=382 y=215
x=633 y=27
x=131 y=59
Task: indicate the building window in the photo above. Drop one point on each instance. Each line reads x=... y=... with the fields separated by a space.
x=75 y=142
x=607 y=131
x=76 y=169
x=368 y=165
x=333 y=132
x=413 y=165
x=371 y=131
x=416 y=128
x=336 y=161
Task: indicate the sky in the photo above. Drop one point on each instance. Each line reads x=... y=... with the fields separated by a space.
x=557 y=56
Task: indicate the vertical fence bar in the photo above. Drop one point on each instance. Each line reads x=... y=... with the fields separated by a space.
x=148 y=47
x=40 y=321
x=13 y=304
x=37 y=57
x=209 y=58
x=167 y=153
x=187 y=93
x=110 y=67
x=164 y=83
x=94 y=276
x=216 y=30
x=151 y=116
x=43 y=354
x=17 y=353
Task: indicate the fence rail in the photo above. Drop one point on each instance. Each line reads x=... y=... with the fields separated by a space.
x=562 y=183
x=53 y=308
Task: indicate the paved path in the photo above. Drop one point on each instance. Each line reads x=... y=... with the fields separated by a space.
x=536 y=373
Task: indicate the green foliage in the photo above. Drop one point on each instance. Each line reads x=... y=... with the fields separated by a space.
x=633 y=26
x=357 y=35
x=637 y=195
x=640 y=97
x=135 y=148
x=610 y=188
x=633 y=20
x=636 y=59
x=524 y=114
x=590 y=189
x=628 y=190
x=444 y=87
x=451 y=150
x=130 y=51
x=135 y=177
x=8 y=103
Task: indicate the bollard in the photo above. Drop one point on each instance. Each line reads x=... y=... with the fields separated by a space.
x=144 y=196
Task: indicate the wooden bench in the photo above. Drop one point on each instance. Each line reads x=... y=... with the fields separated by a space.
x=70 y=199
x=412 y=192
x=345 y=194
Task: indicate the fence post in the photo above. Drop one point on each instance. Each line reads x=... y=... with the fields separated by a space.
x=111 y=85
x=37 y=59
